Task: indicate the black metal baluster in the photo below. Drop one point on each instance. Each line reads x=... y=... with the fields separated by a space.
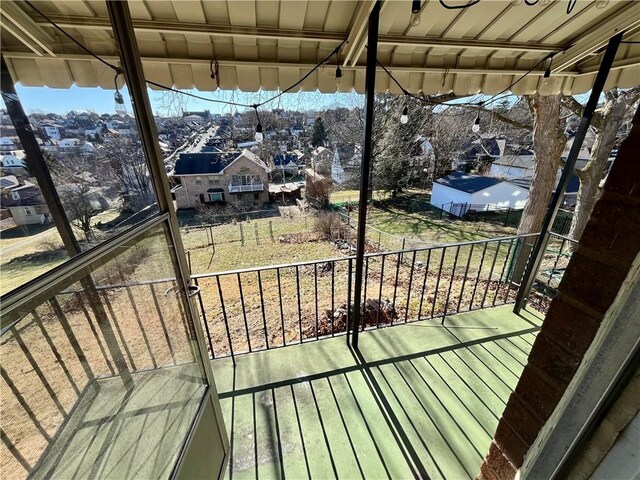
x=333 y=293
x=315 y=287
x=136 y=314
x=299 y=306
x=453 y=274
x=395 y=286
x=55 y=352
x=424 y=283
x=95 y=332
x=38 y=371
x=493 y=264
x=555 y=265
x=62 y=318
x=224 y=316
x=349 y=279
x=284 y=340
x=364 y=300
x=464 y=280
x=406 y=310
x=264 y=315
x=504 y=266
x=21 y=400
x=475 y=286
x=435 y=293
x=125 y=345
x=164 y=327
x=384 y=257
x=244 y=311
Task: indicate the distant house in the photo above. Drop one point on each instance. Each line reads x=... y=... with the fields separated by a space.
x=13 y=162
x=321 y=160
x=512 y=167
x=285 y=163
x=52 y=131
x=209 y=177
x=460 y=192
x=24 y=201
x=203 y=116
x=6 y=144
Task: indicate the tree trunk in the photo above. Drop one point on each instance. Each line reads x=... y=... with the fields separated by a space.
x=548 y=144
x=591 y=174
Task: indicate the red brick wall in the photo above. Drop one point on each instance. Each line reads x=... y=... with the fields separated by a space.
x=609 y=245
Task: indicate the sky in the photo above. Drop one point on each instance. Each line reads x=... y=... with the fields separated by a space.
x=51 y=100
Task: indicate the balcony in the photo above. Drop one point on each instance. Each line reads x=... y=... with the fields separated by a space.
x=440 y=352
x=252 y=187
x=417 y=400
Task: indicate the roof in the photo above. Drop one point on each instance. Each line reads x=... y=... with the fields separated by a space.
x=518 y=161
x=467 y=183
x=271 y=45
x=9 y=181
x=202 y=163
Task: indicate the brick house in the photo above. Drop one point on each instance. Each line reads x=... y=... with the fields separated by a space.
x=209 y=177
x=24 y=201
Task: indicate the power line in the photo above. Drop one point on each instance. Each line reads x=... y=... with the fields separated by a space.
x=213 y=67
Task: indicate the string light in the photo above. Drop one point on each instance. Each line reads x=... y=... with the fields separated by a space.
x=259 y=136
x=475 y=128
x=338 y=70
x=121 y=108
x=414 y=20
x=404 y=118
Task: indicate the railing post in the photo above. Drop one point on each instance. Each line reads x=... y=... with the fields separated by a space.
x=542 y=241
x=370 y=81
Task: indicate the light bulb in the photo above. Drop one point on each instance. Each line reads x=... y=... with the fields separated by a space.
x=475 y=128
x=338 y=76
x=259 y=137
x=121 y=108
x=404 y=118
x=602 y=3
x=544 y=3
x=414 y=20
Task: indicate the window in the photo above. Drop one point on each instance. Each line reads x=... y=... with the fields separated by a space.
x=15 y=195
x=214 y=180
x=27 y=211
x=256 y=196
x=245 y=179
x=198 y=180
x=216 y=197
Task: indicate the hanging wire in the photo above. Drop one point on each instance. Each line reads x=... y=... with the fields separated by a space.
x=215 y=73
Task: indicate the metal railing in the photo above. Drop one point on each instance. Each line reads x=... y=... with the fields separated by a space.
x=552 y=267
x=269 y=307
x=252 y=187
x=65 y=346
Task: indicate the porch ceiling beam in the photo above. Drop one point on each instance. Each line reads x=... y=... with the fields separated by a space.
x=357 y=33
x=24 y=28
x=191 y=28
x=256 y=63
x=626 y=18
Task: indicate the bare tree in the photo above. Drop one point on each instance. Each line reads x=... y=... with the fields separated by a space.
x=81 y=205
x=127 y=162
x=606 y=123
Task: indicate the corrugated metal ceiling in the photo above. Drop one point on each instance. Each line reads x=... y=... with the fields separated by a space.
x=271 y=44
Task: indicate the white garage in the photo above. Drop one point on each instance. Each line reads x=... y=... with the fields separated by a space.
x=460 y=192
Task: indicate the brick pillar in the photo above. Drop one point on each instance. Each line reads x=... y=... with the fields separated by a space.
x=610 y=243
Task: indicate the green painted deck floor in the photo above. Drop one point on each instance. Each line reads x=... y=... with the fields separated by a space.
x=417 y=400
